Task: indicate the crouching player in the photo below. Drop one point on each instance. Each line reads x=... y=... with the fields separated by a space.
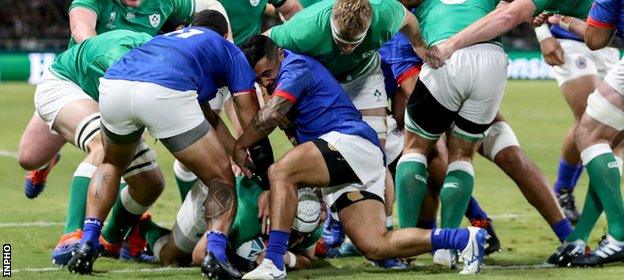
x=67 y=100
x=338 y=152
x=165 y=86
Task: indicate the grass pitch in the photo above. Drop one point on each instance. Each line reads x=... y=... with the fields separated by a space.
x=535 y=110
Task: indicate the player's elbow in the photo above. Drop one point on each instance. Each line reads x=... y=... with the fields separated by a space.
x=595 y=42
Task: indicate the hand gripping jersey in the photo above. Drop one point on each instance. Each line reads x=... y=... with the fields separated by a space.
x=320 y=103
x=608 y=14
x=193 y=58
x=309 y=33
x=149 y=17
x=85 y=63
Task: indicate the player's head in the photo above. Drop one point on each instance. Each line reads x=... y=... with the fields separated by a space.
x=132 y=3
x=265 y=58
x=211 y=19
x=350 y=21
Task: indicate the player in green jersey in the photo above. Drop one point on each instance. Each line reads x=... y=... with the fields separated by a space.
x=66 y=99
x=187 y=238
x=247 y=15
x=38 y=147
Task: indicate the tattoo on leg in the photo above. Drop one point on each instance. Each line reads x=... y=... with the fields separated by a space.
x=99 y=180
x=220 y=199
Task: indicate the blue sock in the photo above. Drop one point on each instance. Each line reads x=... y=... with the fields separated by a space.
x=91 y=230
x=426 y=224
x=566 y=175
x=278 y=244
x=217 y=241
x=454 y=239
x=562 y=229
x=577 y=175
x=474 y=211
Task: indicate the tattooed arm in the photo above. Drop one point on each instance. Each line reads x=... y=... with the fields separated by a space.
x=272 y=115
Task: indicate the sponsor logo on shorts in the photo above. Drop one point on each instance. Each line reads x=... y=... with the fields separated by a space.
x=355 y=196
x=377 y=94
x=581 y=63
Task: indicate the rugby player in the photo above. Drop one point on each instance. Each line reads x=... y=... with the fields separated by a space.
x=38 y=149
x=578 y=71
x=596 y=128
x=168 y=95
x=595 y=136
x=337 y=152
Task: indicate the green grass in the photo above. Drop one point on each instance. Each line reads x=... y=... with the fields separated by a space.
x=536 y=110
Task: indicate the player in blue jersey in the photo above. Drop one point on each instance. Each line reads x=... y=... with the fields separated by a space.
x=165 y=86
x=578 y=71
x=337 y=152
x=595 y=137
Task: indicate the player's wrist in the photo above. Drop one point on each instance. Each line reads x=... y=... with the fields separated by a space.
x=542 y=32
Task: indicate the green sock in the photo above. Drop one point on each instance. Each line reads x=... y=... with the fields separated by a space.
x=78 y=197
x=152 y=232
x=591 y=212
x=121 y=218
x=604 y=176
x=456 y=192
x=185 y=179
x=411 y=188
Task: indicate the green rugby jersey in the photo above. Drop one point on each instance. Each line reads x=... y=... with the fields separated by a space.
x=441 y=19
x=309 y=32
x=85 y=63
x=308 y=3
x=149 y=17
x=575 y=8
x=246 y=16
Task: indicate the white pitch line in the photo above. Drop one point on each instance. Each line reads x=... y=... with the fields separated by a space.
x=10 y=154
x=158 y=269
x=522 y=266
x=52 y=224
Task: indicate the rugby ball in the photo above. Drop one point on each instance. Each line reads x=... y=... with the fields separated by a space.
x=251 y=249
x=308 y=211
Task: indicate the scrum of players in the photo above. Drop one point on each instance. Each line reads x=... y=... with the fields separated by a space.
x=325 y=76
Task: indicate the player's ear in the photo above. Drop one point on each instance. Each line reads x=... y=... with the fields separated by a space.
x=280 y=54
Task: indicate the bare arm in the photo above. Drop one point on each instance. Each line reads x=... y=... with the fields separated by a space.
x=223 y=133
x=597 y=37
x=272 y=115
x=411 y=29
x=82 y=22
x=246 y=106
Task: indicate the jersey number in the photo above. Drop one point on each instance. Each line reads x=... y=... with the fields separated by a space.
x=452 y=2
x=185 y=33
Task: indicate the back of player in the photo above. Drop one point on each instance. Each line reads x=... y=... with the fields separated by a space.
x=197 y=59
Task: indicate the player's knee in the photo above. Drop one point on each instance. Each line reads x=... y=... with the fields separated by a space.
x=221 y=199
x=278 y=172
x=28 y=161
x=499 y=138
x=372 y=250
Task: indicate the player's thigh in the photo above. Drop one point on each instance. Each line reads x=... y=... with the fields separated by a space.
x=38 y=144
x=576 y=92
x=364 y=223
x=78 y=122
x=604 y=116
x=304 y=164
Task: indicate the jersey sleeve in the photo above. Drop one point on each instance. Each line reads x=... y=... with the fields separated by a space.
x=93 y=5
x=293 y=80
x=183 y=10
x=604 y=13
x=241 y=77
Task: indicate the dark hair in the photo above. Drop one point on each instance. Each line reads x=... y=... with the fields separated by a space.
x=211 y=19
x=257 y=47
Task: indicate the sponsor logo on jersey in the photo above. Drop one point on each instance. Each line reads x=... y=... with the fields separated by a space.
x=581 y=63
x=451 y=185
x=154 y=20
x=254 y=2
x=368 y=53
x=130 y=15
